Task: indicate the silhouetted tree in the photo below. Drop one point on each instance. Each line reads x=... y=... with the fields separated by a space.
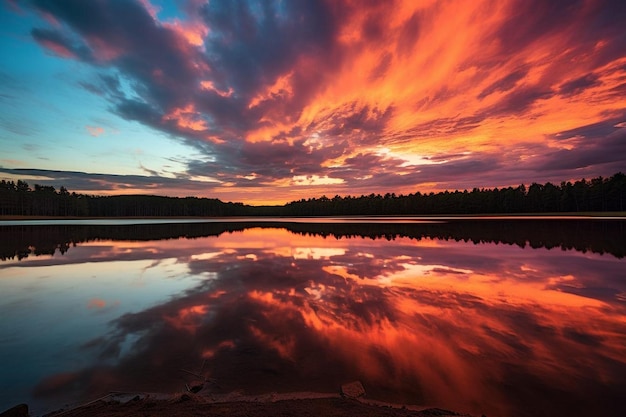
x=599 y=194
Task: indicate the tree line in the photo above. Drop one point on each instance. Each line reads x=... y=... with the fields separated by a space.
x=598 y=236
x=597 y=194
x=18 y=198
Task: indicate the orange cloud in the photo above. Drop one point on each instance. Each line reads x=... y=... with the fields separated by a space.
x=95 y=131
x=209 y=86
x=281 y=87
x=187 y=118
x=451 y=81
x=188 y=318
x=193 y=32
x=96 y=303
x=425 y=304
x=352 y=97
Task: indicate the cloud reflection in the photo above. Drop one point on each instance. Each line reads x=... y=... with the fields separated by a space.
x=595 y=236
x=488 y=328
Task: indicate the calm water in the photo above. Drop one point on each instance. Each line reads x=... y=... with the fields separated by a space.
x=501 y=317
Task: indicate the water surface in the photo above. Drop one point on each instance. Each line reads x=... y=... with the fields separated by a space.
x=501 y=317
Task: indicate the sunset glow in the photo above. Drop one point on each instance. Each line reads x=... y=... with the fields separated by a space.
x=277 y=101
x=488 y=328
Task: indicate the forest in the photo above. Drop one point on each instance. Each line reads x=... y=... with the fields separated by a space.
x=598 y=236
x=595 y=195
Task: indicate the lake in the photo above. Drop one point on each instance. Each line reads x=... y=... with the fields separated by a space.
x=502 y=317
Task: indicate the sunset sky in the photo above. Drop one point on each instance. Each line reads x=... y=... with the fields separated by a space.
x=273 y=101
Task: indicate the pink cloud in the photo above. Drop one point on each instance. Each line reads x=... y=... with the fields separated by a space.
x=194 y=32
x=57 y=48
x=104 y=50
x=324 y=86
x=150 y=8
x=96 y=303
x=95 y=131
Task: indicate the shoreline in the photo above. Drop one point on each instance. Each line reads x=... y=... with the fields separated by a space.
x=565 y=215
x=237 y=404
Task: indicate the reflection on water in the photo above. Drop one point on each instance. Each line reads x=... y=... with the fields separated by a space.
x=436 y=314
x=598 y=236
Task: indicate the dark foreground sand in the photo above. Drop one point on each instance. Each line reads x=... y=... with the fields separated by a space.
x=188 y=404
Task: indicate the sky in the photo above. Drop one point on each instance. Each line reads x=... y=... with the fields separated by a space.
x=266 y=102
